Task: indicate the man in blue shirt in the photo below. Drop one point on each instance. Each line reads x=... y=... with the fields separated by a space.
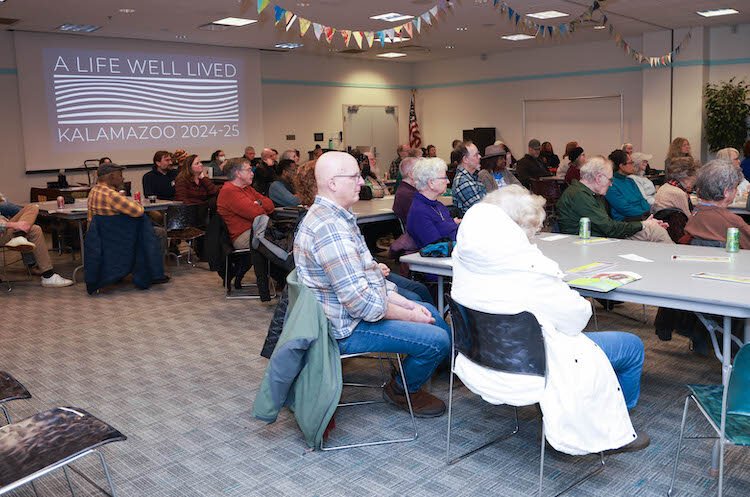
x=467 y=189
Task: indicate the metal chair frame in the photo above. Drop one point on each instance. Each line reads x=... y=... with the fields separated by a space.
x=4 y=273
x=251 y=294
x=379 y=357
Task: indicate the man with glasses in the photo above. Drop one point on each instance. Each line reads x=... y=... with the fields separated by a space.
x=585 y=198
x=365 y=311
x=467 y=189
x=625 y=198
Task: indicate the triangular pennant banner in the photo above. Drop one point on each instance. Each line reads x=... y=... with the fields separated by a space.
x=398 y=29
x=433 y=11
x=317 y=30
x=346 y=34
x=329 y=31
x=381 y=38
x=370 y=37
x=262 y=4
x=357 y=38
x=550 y=30
x=409 y=29
x=426 y=18
x=278 y=13
x=510 y=14
x=418 y=24
x=291 y=22
x=304 y=25
x=518 y=18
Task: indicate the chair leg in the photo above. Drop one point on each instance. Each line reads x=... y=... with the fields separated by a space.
x=33 y=487
x=679 y=446
x=593 y=311
x=106 y=474
x=67 y=479
x=7 y=415
x=541 y=460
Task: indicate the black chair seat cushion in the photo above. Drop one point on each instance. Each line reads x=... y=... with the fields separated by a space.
x=186 y=233
x=11 y=388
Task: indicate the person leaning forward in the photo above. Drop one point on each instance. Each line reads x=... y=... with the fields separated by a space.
x=366 y=312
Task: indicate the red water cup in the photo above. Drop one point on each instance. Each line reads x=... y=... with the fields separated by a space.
x=137 y=197
x=60 y=202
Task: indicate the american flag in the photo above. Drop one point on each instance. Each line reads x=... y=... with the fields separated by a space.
x=415 y=140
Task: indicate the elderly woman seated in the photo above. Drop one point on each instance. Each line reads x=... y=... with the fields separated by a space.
x=429 y=220
x=733 y=155
x=717 y=186
x=672 y=201
x=593 y=378
x=645 y=185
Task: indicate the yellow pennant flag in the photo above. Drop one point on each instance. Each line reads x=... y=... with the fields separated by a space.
x=304 y=25
x=397 y=30
x=358 y=38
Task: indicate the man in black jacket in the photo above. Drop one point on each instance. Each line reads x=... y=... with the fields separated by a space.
x=160 y=180
x=530 y=167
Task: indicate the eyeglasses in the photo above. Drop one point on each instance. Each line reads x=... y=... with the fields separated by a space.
x=350 y=176
x=608 y=178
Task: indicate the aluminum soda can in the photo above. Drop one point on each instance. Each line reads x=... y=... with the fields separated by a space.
x=733 y=240
x=137 y=197
x=584 y=228
x=60 y=202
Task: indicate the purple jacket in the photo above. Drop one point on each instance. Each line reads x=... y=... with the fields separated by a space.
x=429 y=221
x=402 y=201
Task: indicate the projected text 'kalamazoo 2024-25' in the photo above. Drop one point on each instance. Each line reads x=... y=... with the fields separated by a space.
x=135 y=99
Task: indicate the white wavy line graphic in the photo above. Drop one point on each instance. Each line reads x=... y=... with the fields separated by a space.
x=147 y=115
x=152 y=91
x=139 y=78
x=123 y=97
x=149 y=107
x=143 y=84
x=139 y=121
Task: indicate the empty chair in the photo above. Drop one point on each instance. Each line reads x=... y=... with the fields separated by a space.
x=182 y=223
x=10 y=389
x=49 y=440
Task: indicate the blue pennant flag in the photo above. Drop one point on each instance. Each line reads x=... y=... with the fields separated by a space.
x=278 y=12
x=510 y=14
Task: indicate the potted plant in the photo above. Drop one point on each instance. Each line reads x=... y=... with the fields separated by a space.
x=727 y=111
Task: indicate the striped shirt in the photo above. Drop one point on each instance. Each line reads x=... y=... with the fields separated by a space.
x=333 y=261
x=106 y=201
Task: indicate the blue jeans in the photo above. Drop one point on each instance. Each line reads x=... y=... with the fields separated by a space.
x=625 y=353
x=9 y=210
x=412 y=287
x=426 y=345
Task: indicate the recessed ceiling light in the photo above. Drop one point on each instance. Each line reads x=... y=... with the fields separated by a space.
x=234 y=21
x=289 y=46
x=600 y=27
x=717 y=12
x=303 y=4
x=396 y=39
x=392 y=17
x=391 y=55
x=547 y=14
x=450 y=46
x=462 y=28
x=127 y=11
x=517 y=37
x=180 y=37
x=78 y=28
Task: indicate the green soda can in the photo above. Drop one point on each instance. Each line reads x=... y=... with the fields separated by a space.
x=584 y=228
x=733 y=240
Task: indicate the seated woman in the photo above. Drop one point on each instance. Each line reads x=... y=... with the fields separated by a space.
x=562 y=169
x=548 y=157
x=733 y=155
x=577 y=160
x=624 y=197
x=192 y=186
x=429 y=220
x=493 y=171
x=593 y=378
x=717 y=186
x=645 y=185
x=218 y=161
x=371 y=180
x=675 y=192
x=680 y=147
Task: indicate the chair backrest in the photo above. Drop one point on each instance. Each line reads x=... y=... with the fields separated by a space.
x=676 y=220
x=512 y=343
x=706 y=243
x=182 y=216
x=738 y=396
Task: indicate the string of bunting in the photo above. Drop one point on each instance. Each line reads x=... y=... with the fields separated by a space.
x=639 y=57
x=287 y=19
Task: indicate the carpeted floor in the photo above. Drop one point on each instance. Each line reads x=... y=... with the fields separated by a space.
x=176 y=369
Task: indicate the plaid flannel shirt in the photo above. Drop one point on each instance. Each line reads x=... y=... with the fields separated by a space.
x=467 y=189
x=105 y=201
x=333 y=260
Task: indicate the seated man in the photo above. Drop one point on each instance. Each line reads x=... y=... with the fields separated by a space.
x=467 y=189
x=365 y=311
x=625 y=198
x=531 y=166
x=21 y=234
x=584 y=199
x=160 y=179
x=282 y=190
x=405 y=193
x=238 y=205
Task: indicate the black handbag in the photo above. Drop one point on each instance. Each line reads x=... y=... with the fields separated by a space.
x=365 y=193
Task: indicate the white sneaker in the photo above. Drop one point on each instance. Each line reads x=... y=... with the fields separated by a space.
x=21 y=244
x=56 y=281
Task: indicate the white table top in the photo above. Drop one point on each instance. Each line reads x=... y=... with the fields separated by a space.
x=739 y=206
x=381 y=209
x=665 y=282
x=79 y=209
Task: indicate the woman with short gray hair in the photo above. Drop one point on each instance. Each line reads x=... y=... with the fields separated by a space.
x=675 y=193
x=717 y=187
x=523 y=207
x=429 y=220
x=732 y=155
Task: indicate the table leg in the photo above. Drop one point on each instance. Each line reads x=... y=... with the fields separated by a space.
x=717 y=459
x=440 y=300
x=80 y=239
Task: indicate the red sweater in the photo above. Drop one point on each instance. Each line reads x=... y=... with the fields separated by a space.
x=187 y=192
x=239 y=207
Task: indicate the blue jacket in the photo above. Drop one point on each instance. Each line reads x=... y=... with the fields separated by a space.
x=116 y=246
x=625 y=199
x=304 y=372
x=429 y=221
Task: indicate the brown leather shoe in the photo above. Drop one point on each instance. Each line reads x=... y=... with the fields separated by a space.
x=640 y=443
x=425 y=405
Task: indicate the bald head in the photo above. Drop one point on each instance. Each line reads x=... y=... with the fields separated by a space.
x=338 y=178
x=267 y=156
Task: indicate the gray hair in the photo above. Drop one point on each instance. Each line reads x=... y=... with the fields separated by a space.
x=522 y=206
x=426 y=169
x=407 y=166
x=680 y=168
x=715 y=177
x=288 y=154
x=594 y=166
x=234 y=165
x=726 y=154
x=248 y=148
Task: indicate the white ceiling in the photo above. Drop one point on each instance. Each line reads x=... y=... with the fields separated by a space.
x=171 y=20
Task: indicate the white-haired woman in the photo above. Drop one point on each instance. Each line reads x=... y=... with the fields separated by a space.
x=733 y=155
x=429 y=220
x=645 y=185
x=592 y=379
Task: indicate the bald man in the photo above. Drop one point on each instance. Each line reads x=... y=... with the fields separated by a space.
x=265 y=171
x=366 y=312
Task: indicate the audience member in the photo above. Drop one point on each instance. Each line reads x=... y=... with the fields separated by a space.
x=265 y=171
x=675 y=192
x=19 y=232
x=530 y=167
x=645 y=185
x=493 y=171
x=405 y=193
x=431 y=151
x=7 y=208
x=625 y=199
x=401 y=151
x=509 y=159
x=317 y=152
x=238 y=205
x=563 y=169
x=627 y=148
x=365 y=311
x=429 y=220
x=584 y=198
x=291 y=155
x=304 y=183
x=371 y=180
x=733 y=155
x=218 y=161
x=160 y=180
x=467 y=189
x=249 y=154
x=373 y=164
x=548 y=157
x=178 y=156
x=593 y=378
x=680 y=147
x=577 y=159
x=192 y=186
x=716 y=186
x=745 y=164
x=105 y=160
x=455 y=143
x=281 y=191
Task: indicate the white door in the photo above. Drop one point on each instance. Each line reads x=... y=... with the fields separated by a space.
x=375 y=127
